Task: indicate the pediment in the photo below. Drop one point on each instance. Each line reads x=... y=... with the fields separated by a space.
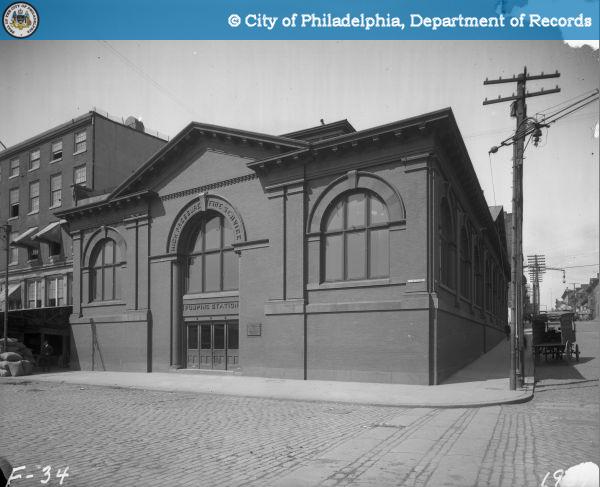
x=187 y=147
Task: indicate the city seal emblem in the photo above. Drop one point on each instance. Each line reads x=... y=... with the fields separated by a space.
x=20 y=20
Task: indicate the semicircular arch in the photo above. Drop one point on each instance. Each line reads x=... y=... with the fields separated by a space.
x=101 y=234
x=201 y=204
x=352 y=181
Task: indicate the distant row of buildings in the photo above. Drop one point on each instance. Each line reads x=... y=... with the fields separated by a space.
x=583 y=300
x=326 y=253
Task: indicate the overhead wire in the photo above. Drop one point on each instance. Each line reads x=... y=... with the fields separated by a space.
x=145 y=75
x=542 y=112
x=527 y=130
x=569 y=112
x=551 y=115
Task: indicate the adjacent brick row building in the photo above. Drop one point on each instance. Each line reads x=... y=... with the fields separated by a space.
x=83 y=157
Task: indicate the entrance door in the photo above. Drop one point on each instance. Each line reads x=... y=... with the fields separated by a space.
x=213 y=345
x=219 y=352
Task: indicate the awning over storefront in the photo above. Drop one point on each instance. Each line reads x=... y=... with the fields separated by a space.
x=50 y=233
x=25 y=239
x=12 y=289
x=36 y=320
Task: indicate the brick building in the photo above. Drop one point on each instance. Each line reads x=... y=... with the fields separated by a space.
x=83 y=157
x=327 y=253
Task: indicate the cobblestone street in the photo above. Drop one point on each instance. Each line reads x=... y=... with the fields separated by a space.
x=110 y=436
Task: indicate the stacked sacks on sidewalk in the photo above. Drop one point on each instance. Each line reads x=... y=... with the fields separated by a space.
x=16 y=360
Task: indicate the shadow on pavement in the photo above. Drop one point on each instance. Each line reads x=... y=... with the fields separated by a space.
x=560 y=369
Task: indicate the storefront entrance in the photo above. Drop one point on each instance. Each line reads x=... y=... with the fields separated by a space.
x=213 y=345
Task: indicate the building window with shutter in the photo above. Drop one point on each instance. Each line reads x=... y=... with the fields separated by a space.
x=34 y=159
x=57 y=151
x=14 y=168
x=80 y=175
x=34 y=197
x=14 y=203
x=55 y=190
x=80 y=141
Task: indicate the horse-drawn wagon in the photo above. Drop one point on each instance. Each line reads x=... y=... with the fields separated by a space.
x=554 y=336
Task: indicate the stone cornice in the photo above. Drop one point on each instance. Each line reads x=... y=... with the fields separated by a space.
x=208 y=187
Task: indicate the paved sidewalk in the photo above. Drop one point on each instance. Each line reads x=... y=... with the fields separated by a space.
x=480 y=384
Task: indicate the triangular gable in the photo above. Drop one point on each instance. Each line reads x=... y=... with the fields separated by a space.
x=271 y=144
x=495 y=211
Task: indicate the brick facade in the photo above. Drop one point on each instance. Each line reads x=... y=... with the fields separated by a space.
x=92 y=150
x=396 y=323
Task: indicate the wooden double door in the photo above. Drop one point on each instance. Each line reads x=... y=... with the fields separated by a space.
x=213 y=345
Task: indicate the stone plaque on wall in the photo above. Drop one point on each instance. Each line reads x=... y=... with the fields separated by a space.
x=254 y=329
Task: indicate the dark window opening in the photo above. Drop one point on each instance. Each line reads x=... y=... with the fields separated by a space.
x=212 y=262
x=355 y=239
x=55 y=248
x=33 y=253
x=105 y=271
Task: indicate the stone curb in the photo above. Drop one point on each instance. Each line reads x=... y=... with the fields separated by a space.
x=524 y=396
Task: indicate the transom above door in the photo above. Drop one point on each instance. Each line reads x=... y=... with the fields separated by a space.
x=213 y=345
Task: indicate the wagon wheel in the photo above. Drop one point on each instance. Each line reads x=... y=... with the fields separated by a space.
x=577 y=353
x=547 y=351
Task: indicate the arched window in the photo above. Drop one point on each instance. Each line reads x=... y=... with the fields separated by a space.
x=448 y=245
x=488 y=286
x=356 y=238
x=497 y=292
x=105 y=271
x=478 y=277
x=465 y=264
x=212 y=263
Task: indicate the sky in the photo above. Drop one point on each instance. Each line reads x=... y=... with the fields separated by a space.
x=282 y=86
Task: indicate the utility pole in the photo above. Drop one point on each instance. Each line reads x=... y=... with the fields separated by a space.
x=537 y=267
x=6 y=237
x=518 y=110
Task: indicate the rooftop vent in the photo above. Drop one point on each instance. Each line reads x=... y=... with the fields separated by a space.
x=134 y=123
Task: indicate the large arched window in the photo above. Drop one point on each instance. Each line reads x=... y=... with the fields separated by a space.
x=105 y=271
x=212 y=263
x=448 y=245
x=478 y=277
x=488 y=286
x=356 y=238
x=497 y=292
x=465 y=264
